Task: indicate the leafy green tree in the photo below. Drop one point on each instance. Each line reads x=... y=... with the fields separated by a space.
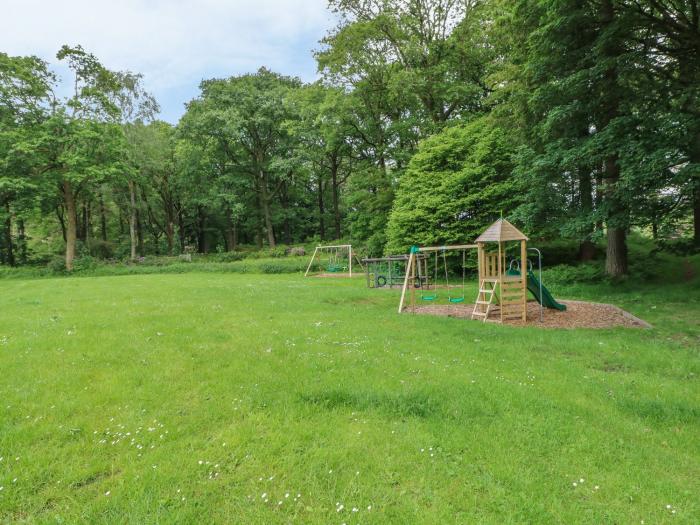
x=407 y=67
x=25 y=92
x=668 y=33
x=81 y=142
x=578 y=81
x=240 y=121
x=457 y=183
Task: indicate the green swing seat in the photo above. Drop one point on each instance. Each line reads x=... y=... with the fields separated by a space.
x=428 y=297
x=457 y=299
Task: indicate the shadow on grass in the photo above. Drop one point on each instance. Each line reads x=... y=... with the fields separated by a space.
x=394 y=405
x=661 y=411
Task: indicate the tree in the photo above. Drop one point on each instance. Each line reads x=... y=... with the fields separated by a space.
x=669 y=33
x=80 y=142
x=239 y=121
x=579 y=84
x=135 y=106
x=457 y=183
x=25 y=92
x=407 y=68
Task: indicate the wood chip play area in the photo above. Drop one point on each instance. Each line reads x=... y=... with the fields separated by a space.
x=578 y=314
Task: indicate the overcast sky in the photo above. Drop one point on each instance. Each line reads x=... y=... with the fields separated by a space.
x=174 y=43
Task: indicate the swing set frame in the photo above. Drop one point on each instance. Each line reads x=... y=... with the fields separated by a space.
x=416 y=277
x=344 y=248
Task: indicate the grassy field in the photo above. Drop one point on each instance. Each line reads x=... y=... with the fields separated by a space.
x=241 y=398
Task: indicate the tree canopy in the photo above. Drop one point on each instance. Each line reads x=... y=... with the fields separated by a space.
x=578 y=119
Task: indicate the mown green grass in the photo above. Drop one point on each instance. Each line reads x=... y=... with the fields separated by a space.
x=234 y=386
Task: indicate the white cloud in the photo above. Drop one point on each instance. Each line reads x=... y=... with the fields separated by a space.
x=174 y=43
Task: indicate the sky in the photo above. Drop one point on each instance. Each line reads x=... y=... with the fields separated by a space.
x=174 y=43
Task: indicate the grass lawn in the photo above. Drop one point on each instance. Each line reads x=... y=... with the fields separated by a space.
x=242 y=398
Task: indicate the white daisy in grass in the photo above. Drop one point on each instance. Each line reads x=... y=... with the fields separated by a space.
x=108 y=493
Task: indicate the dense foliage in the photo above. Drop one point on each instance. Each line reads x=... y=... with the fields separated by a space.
x=578 y=119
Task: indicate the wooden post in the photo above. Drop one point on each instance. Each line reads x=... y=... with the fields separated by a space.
x=523 y=276
x=409 y=265
x=500 y=279
x=311 y=262
x=412 y=284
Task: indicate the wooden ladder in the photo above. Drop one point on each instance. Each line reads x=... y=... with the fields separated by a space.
x=484 y=300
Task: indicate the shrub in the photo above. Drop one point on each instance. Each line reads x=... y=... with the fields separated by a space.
x=57 y=265
x=229 y=257
x=84 y=263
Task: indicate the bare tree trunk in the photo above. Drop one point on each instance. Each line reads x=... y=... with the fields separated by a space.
x=10 y=255
x=586 y=247
x=201 y=231
x=103 y=218
x=71 y=223
x=132 y=219
x=61 y=221
x=336 y=197
x=321 y=209
x=267 y=215
x=21 y=242
x=616 y=253
x=286 y=226
x=181 y=229
x=170 y=235
x=231 y=233
x=695 y=158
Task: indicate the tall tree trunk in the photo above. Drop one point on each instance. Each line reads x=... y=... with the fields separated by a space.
x=694 y=157
x=87 y=211
x=181 y=228
x=336 y=196
x=139 y=235
x=61 y=220
x=170 y=235
x=616 y=253
x=321 y=209
x=231 y=232
x=71 y=223
x=586 y=248
x=103 y=218
x=7 y=230
x=21 y=242
x=267 y=214
x=132 y=219
x=286 y=225
x=201 y=231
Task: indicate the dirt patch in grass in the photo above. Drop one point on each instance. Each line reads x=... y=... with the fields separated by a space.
x=578 y=314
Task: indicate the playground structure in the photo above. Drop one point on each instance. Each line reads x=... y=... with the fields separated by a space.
x=502 y=288
x=419 y=279
x=386 y=271
x=337 y=263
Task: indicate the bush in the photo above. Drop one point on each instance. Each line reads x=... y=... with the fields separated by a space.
x=682 y=247
x=57 y=265
x=229 y=257
x=454 y=187
x=272 y=268
x=593 y=272
x=84 y=263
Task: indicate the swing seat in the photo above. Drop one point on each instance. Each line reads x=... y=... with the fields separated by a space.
x=429 y=297
x=456 y=299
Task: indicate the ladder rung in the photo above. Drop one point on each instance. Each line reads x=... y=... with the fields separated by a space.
x=483 y=302
x=480 y=314
x=486 y=291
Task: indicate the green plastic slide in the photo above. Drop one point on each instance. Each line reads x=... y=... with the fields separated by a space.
x=533 y=284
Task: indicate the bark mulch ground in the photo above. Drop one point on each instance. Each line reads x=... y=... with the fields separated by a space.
x=578 y=314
